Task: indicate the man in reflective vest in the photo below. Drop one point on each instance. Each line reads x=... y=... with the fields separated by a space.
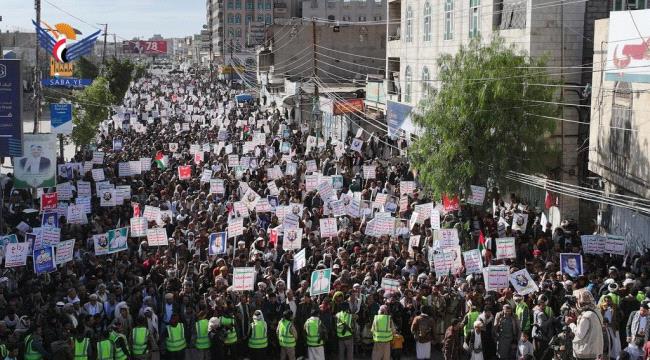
x=141 y=338
x=469 y=319
x=227 y=323
x=120 y=343
x=523 y=313
x=313 y=330
x=105 y=348
x=80 y=346
x=200 y=337
x=382 y=334
x=258 y=339
x=287 y=336
x=175 y=343
x=34 y=349
x=344 y=332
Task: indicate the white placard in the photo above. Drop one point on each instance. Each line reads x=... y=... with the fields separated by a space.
x=157 y=237
x=506 y=248
x=139 y=226
x=243 y=279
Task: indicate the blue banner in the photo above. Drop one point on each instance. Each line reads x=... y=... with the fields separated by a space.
x=396 y=116
x=61 y=117
x=11 y=92
x=66 y=82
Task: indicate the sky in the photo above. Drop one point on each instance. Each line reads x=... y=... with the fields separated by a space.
x=126 y=18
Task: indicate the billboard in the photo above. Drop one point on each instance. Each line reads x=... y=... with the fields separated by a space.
x=11 y=91
x=66 y=82
x=627 y=46
x=398 y=116
x=61 y=118
x=37 y=168
x=348 y=106
x=158 y=47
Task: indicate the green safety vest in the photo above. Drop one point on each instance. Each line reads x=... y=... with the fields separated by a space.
x=119 y=353
x=202 y=339
x=258 y=339
x=175 y=338
x=519 y=311
x=30 y=353
x=140 y=339
x=231 y=332
x=471 y=317
x=548 y=311
x=105 y=350
x=640 y=296
x=615 y=298
x=313 y=334
x=3 y=351
x=343 y=318
x=80 y=349
x=285 y=336
x=382 y=333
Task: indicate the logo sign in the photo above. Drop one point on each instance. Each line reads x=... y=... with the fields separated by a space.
x=61 y=115
x=62 y=42
x=60 y=69
x=66 y=82
x=11 y=125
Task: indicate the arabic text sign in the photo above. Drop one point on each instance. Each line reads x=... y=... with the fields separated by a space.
x=506 y=248
x=496 y=278
x=243 y=278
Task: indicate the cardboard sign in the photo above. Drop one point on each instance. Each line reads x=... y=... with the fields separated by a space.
x=243 y=279
x=506 y=248
x=117 y=239
x=477 y=197
x=44 y=260
x=356 y=145
x=369 y=172
x=328 y=227
x=235 y=227
x=185 y=172
x=151 y=213
x=320 y=282
x=496 y=278
x=16 y=254
x=98 y=174
x=446 y=237
x=217 y=245
x=571 y=264
x=217 y=187
x=64 y=252
x=523 y=283
x=473 y=261
x=98 y=157
x=299 y=260
x=311 y=182
x=157 y=237
x=593 y=244
x=139 y=226
x=49 y=201
x=107 y=198
x=292 y=239
x=51 y=235
x=450 y=204
x=406 y=187
x=100 y=242
x=389 y=286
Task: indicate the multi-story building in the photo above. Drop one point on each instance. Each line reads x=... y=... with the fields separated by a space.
x=419 y=31
x=619 y=131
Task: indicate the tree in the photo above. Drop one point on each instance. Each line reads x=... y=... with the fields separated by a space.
x=93 y=106
x=85 y=69
x=119 y=74
x=482 y=123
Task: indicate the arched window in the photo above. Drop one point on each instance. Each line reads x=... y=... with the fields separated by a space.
x=331 y=17
x=408 y=79
x=427 y=22
x=426 y=84
x=619 y=139
x=409 y=24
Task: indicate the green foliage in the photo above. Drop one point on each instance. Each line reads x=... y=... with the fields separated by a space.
x=92 y=108
x=85 y=69
x=119 y=74
x=140 y=71
x=478 y=127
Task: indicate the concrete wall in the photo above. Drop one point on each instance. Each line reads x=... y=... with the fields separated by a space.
x=629 y=170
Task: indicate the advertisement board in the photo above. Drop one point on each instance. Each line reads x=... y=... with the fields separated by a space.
x=627 y=46
x=61 y=118
x=11 y=125
x=158 y=47
x=398 y=117
x=348 y=106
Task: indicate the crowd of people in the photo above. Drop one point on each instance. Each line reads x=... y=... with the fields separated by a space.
x=383 y=296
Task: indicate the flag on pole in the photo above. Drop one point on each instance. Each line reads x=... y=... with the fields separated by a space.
x=481 y=241
x=548 y=200
x=161 y=160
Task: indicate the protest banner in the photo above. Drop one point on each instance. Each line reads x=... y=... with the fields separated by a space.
x=157 y=237
x=235 y=227
x=243 y=279
x=615 y=245
x=311 y=166
x=145 y=164
x=496 y=277
x=37 y=168
x=84 y=189
x=98 y=174
x=185 y=172
x=369 y=172
x=473 y=261
x=51 y=235
x=139 y=226
x=477 y=195
x=217 y=243
x=16 y=254
x=124 y=169
x=320 y=282
x=328 y=227
x=446 y=237
x=64 y=252
x=506 y=248
x=292 y=239
x=519 y=222
x=216 y=186
x=50 y=219
x=593 y=244
x=406 y=187
x=414 y=242
x=523 y=283
x=299 y=260
x=311 y=182
x=206 y=175
x=107 y=198
x=100 y=242
x=44 y=260
x=98 y=157
x=151 y=213
x=390 y=286
x=435 y=220
x=117 y=239
x=49 y=201
x=356 y=145
x=571 y=264
x=63 y=191
x=450 y=204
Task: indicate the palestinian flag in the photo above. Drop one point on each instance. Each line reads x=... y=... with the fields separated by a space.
x=161 y=160
x=481 y=241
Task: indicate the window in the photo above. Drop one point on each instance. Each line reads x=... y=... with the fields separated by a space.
x=260 y=4
x=231 y=19
x=427 y=22
x=619 y=140
x=238 y=32
x=474 y=18
x=237 y=4
x=408 y=78
x=260 y=18
x=237 y=19
x=249 y=18
x=331 y=17
x=377 y=17
x=269 y=5
x=231 y=32
x=231 y=4
x=268 y=20
x=346 y=18
x=449 y=20
x=362 y=18
x=426 y=83
x=409 y=25
x=250 y=5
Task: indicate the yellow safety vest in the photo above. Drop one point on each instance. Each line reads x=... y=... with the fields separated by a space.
x=258 y=339
x=313 y=334
x=105 y=350
x=30 y=353
x=231 y=332
x=119 y=353
x=285 y=336
x=175 y=338
x=202 y=339
x=519 y=311
x=382 y=333
x=140 y=339
x=80 y=349
x=471 y=317
x=343 y=318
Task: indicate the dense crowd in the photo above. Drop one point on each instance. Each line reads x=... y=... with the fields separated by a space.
x=179 y=302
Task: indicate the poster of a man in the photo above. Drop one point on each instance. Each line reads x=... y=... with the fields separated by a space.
x=36 y=163
x=320 y=282
x=37 y=168
x=571 y=264
x=50 y=219
x=217 y=243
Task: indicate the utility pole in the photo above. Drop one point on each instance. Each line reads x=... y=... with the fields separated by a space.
x=37 y=72
x=562 y=98
x=316 y=106
x=115 y=44
x=104 y=49
x=231 y=64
